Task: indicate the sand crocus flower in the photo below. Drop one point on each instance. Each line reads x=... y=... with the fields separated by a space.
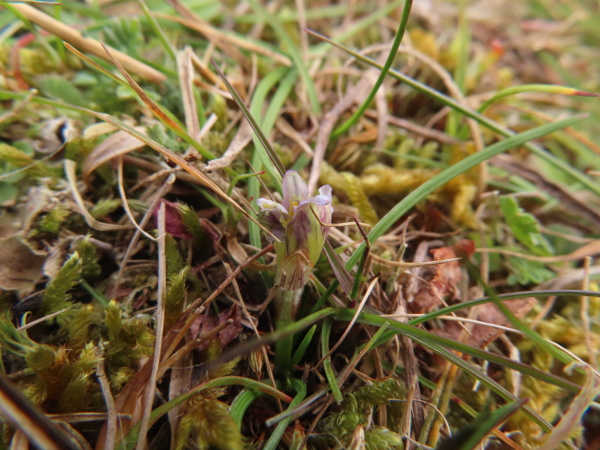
x=294 y=222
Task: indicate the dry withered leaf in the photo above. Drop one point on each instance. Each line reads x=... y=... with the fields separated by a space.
x=70 y=34
x=444 y=279
x=54 y=133
x=23 y=257
x=482 y=335
x=207 y=322
x=180 y=383
x=118 y=144
x=21 y=269
x=239 y=255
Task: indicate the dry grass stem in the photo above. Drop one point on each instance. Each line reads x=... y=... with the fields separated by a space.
x=159 y=319
x=111 y=411
x=123 y=195
x=87 y=44
x=93 y=223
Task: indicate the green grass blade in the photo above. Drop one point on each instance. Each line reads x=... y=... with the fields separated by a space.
x=446 y=175
x=158 y=31
x=241 y=403
x=470 y=436
x=488 y=382
x=517 y=323
x=513 y=296
x=294 y=53
x=455 y=105
x=384 y=71
x=273 y=442
x=430 y=339
x=441 y=345
x=333 y=385
x=303 y=346
x=253 y=123
x=524 y=88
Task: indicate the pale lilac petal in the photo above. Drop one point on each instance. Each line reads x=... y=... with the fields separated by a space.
x=294 y=189
x=273 y=215
x=326 y=191
x=269 y=206
x=323 y=198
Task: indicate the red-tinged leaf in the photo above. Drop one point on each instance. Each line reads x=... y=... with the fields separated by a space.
x=464 y=248
x=173 y=223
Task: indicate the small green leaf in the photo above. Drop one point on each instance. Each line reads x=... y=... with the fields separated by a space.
x=527 y=272
x=524 y=226
x=8 y=193
x=58 y=87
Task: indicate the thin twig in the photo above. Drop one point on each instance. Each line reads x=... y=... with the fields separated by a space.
x=111 y=410
x=159 y=324
x=123 y=195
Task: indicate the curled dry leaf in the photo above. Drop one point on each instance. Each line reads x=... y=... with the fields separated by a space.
x=482 y=335
x=207 y=322
x=443 y=278
x=118 y=144
x=54 y=133
x=239 y=255
x=23 y=257
x=21 y=269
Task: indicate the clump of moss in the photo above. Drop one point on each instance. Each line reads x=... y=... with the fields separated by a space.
x=206 y=424
x=356 y=410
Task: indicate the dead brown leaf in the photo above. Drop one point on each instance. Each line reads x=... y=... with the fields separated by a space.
x=482 y=335
x=444 y=279
x=21 y=269
x=118 y=144
x=207 y=322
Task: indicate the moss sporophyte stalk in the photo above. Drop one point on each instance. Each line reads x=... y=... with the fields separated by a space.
x=298 y=223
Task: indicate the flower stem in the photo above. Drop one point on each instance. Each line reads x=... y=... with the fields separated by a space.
x=287 y=303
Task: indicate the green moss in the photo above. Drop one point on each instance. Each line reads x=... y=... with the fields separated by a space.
x=13 y=158
x=128 y=341
x=85 y=326
x=87 y=251
x=175 y=297
x=105 y=206
x=57 y=295
x=175 y=263
x=52 y=221
x=207 y=424
x=355 y=411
